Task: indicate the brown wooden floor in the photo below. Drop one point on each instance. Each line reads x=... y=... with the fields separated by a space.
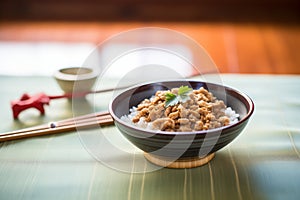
x=235 y=47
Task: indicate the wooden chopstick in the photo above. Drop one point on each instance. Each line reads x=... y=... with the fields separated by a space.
x=61 y=123
x=82 y=122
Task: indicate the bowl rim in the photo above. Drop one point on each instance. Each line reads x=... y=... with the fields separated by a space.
x=159 y=132
x=63 y=76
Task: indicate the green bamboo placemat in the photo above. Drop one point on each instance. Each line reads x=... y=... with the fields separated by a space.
x=262 y=163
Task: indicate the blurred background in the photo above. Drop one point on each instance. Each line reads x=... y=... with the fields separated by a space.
x=242 y=36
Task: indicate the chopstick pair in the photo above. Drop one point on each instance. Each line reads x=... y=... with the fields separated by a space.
x=83 y=122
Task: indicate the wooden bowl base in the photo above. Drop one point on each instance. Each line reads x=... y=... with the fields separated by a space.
x=180 y=163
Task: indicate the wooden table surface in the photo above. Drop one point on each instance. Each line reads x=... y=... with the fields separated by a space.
x=235 y=47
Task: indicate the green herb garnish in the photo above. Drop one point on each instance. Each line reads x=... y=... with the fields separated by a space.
x=183 y=96
x=171 y=99
x=183 y=93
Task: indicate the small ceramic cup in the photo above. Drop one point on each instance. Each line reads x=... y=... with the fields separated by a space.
x=84 y=78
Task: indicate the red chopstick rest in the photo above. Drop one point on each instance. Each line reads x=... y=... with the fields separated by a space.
x=26 y=101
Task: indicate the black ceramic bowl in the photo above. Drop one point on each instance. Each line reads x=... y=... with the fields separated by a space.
x=180 y=145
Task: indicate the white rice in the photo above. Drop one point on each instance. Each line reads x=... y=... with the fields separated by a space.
x=141 y=123
x=232 y=115
x=229 y=112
